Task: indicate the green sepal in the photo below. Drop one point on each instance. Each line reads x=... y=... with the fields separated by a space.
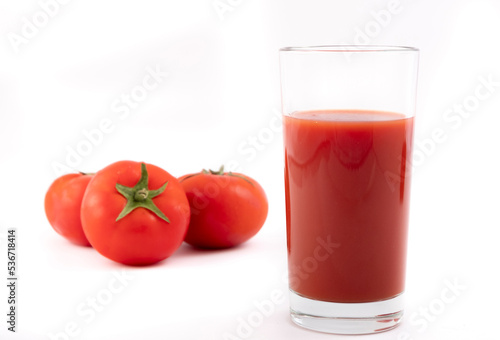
x=219 y=172
x=139 y=196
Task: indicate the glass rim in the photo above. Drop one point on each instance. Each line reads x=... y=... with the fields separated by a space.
x=350 y=48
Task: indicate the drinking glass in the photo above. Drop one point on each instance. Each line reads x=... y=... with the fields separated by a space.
x=348 y=117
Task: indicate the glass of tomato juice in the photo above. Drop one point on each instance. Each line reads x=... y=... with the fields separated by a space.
x=348 y=117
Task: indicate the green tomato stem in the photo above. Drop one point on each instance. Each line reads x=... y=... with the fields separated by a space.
x=139 y=196
x=219 y=172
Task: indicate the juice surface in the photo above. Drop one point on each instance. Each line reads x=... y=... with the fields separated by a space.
x=347 y=199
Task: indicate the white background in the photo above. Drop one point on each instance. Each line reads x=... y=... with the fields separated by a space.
x=222 y=92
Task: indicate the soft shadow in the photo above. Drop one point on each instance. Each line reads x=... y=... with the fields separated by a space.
x=186 y=250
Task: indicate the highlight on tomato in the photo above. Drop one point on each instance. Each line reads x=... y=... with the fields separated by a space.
x=227 y=208
x=135 y=213
x=62 y=206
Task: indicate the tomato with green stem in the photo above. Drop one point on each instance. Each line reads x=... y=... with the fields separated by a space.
x=135 y=213
x=227 y=208
x=62 y=206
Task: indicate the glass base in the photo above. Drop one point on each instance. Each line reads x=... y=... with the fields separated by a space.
x=346 y=318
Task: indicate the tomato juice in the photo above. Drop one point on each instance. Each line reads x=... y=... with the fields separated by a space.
x=347 y=201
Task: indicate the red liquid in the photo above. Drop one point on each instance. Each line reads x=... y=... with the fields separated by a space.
x=347 y=199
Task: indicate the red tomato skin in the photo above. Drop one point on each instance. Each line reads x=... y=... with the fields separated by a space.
x=226 y=210
x=141 y=237
x=62 y=206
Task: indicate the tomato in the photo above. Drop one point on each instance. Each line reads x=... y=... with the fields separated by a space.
x=227 y=208
x=62 y=206
x=135 y=213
